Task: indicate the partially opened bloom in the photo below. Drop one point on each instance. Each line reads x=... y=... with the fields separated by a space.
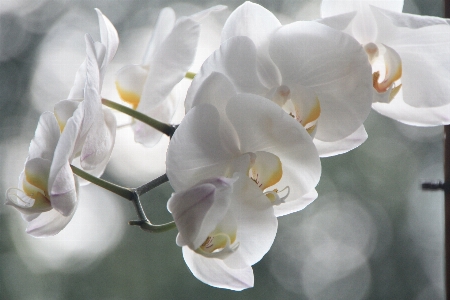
x=318 y=75
x=225 y=226
x=88 y=130
x=46 y=213
x=248 y=134
x=410 y=57
x=168 y=57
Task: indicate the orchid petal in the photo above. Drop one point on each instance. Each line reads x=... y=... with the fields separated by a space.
x=295 y=205
x=216 y=89
x=108 y=37
x=399 y=19
x=67 y=145
x=334 y=66
x=251 y=20
x=163 y=112
x=201 y=15
x=237 y=60
x=338 y=22
x=216 y=273
x=130 y=82
x=196 y=151
x=348 y=143
x=65 y=109
x=77 y=90
x=336 y=7
x=99 y=142
x=198 y=210
x=45 y=138
x=257 y=23
x=363 y=26
x=63 y=193
x=256 y=222
x=425 y=55
x=273 y=130
x=162 y=29
x=170 y=63
x=47 y=223
x=398 y=110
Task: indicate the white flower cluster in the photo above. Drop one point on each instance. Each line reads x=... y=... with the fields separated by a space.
x=262 y=110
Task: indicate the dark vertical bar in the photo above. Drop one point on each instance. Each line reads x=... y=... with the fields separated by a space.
x=447 y=204
x=447 y=192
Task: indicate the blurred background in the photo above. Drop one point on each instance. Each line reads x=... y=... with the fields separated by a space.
x=371 y=234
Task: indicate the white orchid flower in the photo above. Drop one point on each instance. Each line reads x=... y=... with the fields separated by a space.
x=169 y=55
x=46 y=213
x=318 y=75
x=410 y=57
x=249 y=134
x=225 y=226
x=88 y=130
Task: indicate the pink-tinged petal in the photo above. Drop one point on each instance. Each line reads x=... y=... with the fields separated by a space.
x=298 y=204
x=256 y=222
x=334 y=66
x=63 y=191
x=263 y=126
x=348 y=143
x=170 y=63
x=398 y=110
x=108 y=37
x=425 y=56
x=251 y=20
x=196 y=151
x=47 y=223
x=237 y=60
x=130 y=81
x=45 y=138
x=64 y=109
x=216 y=273
x=162 y=29
x=198 y=210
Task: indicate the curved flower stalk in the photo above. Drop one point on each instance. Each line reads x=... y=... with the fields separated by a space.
x=318 y=75
x=249 y=134
x=88 y=130
x=225 y=226
x=46 y=213
x=410 y=57
x=169 y=55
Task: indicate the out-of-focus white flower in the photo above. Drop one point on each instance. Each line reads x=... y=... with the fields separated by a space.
x=318 y=75
x=88 y=130
x=249 y=134
x=169 y=55
x=410 y=57
x=46 y=213
x=225 y=226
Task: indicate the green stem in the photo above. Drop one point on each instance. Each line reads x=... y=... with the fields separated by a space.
x=151 y=185
x=147 y=226
x=190 y=75
x=116 y=189
x=133 y=196
x=160 y=126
